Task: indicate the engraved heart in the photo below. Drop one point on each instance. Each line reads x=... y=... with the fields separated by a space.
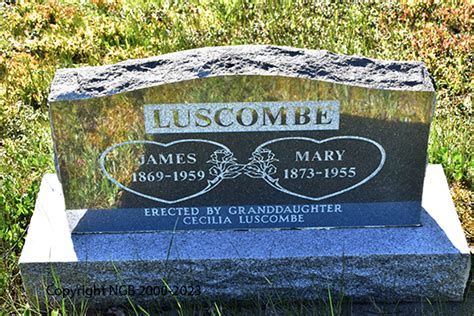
x=168 y=173
x=316 y=169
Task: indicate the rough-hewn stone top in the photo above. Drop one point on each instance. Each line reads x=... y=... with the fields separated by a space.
x=90 y=82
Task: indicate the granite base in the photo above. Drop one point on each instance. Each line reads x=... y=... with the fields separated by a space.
x=381 y=264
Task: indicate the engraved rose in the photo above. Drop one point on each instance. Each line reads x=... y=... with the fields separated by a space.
x=260 y=164
x=224 y=165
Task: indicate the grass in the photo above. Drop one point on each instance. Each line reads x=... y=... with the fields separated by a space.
x=36 y=38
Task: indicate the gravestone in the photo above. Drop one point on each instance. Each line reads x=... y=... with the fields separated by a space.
x=210 y=173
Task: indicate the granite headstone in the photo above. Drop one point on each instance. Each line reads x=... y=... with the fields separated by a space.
x=236 y=141
x=211 y=170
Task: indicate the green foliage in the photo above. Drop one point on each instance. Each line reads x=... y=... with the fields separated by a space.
x=38 y=38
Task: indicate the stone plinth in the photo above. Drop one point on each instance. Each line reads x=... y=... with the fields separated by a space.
x=386 y=264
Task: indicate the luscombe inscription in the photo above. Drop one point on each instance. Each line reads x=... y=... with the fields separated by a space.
x=243 y=117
